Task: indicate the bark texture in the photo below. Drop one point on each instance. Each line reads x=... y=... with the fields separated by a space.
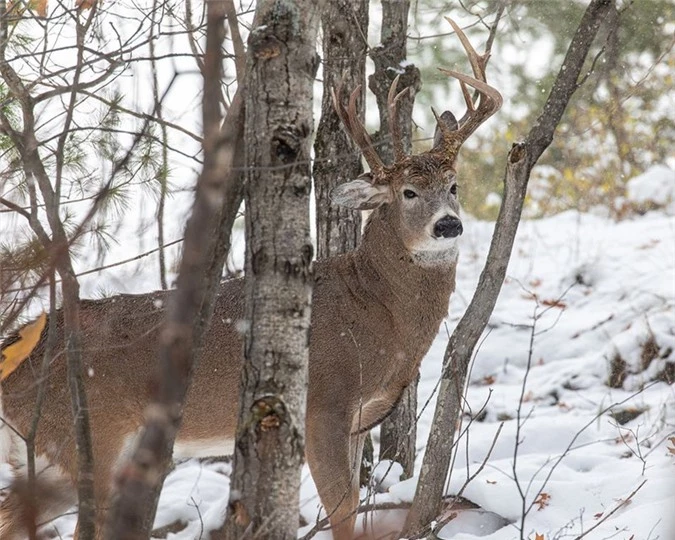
x=398 y=432
x=337 y=160
x=269 y=447
x=521 y=159
x=216 y=202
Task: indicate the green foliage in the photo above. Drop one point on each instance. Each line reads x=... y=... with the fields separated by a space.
x=97 y=144
x=618 y=122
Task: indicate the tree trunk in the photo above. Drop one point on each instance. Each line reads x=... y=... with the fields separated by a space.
x=336 y=159
x=521 y=159
x=399 y=430
x=269 y=448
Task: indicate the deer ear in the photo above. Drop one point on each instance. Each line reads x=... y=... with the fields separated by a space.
x=361 y=194
x=450 y=121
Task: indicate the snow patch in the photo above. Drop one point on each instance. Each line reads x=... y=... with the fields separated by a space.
x=656 y=186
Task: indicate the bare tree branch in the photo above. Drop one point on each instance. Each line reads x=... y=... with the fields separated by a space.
x=520 y=161
x=139 y=481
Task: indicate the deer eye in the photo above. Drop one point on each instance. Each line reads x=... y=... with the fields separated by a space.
x=453 y=189
x=409 y=194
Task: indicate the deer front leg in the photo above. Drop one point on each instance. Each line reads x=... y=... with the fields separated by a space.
x=334 y=457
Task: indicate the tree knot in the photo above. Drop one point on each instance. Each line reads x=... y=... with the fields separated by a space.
x=268 y=412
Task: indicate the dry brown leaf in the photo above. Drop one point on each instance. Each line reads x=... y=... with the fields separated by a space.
x=671 y=449
x=543 y=500
x=488 y=380
x=241 y=516
x=538 y=536
x=85 y=4
x=554 y=303
x=40 y=7
x=17 y=352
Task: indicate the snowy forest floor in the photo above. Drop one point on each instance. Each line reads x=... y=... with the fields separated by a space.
x=577 y=366
x=587 y=302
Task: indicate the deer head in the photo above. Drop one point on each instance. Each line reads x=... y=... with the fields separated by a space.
x=417 y=194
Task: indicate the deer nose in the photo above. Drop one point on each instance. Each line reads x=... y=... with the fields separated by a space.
x=448 y=227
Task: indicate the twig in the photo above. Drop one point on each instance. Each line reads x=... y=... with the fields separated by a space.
x=620 y=505
x=140 y=479
x=237 y=42
x=520 y=162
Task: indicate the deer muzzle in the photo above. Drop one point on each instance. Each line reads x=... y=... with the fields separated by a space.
x=448 y=227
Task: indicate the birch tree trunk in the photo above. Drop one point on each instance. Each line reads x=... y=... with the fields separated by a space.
x=521 y=159
x=398 y=432
x=269 y=447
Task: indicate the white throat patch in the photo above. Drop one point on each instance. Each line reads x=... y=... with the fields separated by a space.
x=437 y=257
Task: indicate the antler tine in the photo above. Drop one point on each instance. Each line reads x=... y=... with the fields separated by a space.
x=360 y=135
x=478 y=61
x=336 y=95
x=354 y=127
x=394 y=126
x=470 y=106
x=489 y=102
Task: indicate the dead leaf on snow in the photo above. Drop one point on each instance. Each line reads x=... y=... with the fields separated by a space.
x=554 y=303
x=671 y=449
x=543 y=500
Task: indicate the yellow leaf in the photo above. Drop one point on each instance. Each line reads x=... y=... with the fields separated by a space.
x=17 y=352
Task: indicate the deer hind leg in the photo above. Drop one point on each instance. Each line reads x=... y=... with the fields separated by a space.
x=334 y=458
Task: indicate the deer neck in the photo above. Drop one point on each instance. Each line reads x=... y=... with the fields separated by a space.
x=409 y=285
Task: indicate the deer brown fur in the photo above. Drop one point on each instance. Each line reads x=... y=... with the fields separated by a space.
x=375 y=313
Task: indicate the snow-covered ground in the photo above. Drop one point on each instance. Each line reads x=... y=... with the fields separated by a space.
x=592 y=294
x=577 y=364
x=596 y=300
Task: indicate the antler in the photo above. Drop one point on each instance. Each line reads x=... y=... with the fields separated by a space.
x=357 y=131
x=489 y=102
x=354 y=127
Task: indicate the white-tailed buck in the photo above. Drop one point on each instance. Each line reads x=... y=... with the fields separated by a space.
x=375 y=313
